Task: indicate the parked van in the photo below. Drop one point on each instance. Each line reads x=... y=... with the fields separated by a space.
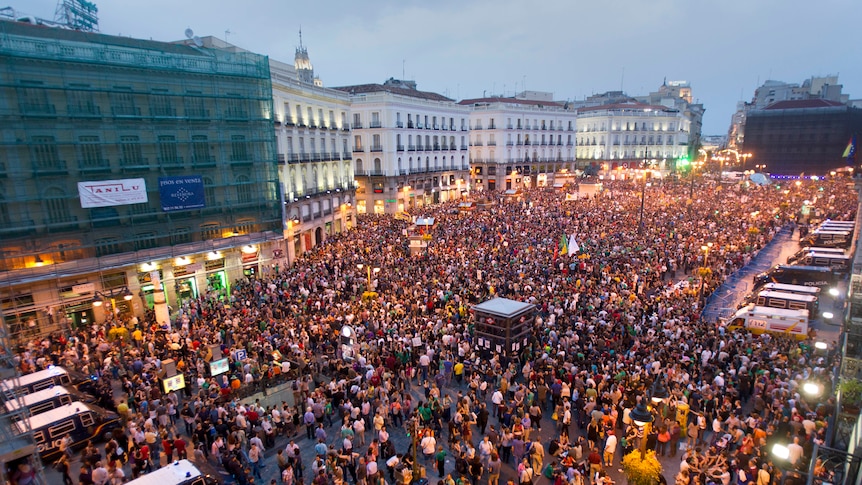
x=808 y=249
x=830 y=239
x=48 y=399
x=181 y=472
x=83 y=422
x=819 y=276
x=758 y=320
x=839 y=263
x=837 y=225
x=43 y=379
x=787 y=301
x=795 y=289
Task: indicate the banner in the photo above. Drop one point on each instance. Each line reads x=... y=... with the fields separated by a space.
x=182 y=193
x=108 y=193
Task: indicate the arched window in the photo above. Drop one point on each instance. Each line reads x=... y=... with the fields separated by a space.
x=378 y=166
x=359 y=165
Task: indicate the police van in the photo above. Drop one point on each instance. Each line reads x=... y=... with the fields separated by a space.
x=47 y=399
x=787 y=301
x=809 y=249
x=830 y=239
x=839 y=263
x=758 y=320
x=819 y=276
x=181 y=472
x=43 y=379
x=837 y=225
x=83 y=422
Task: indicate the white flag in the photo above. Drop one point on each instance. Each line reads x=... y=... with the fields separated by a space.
x=573 y=245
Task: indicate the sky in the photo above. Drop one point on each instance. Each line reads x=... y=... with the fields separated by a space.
x=572 y=48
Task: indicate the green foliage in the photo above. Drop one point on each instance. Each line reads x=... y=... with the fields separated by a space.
x=851 y=391
x=118 y=334
x=641 y=472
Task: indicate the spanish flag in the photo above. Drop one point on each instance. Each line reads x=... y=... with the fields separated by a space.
x=850 y=151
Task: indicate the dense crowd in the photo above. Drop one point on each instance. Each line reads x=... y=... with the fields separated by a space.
x=613 y=316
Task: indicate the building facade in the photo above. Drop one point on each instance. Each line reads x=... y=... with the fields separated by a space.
x=128 y=166
x=802 y=136
x=314 y=156
x=409 y=147
x=625 y=135
x=519 y=141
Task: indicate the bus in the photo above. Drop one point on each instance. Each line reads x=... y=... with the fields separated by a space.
x=83 y=422
x=181 y=472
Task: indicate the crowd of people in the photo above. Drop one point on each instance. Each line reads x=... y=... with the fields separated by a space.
x=612 y=317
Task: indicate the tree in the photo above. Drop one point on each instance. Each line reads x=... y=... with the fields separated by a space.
x=642 y=472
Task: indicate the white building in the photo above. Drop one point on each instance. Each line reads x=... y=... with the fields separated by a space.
x=315 y=168
x=409 y=146
x=520 y=141
x=627 y=134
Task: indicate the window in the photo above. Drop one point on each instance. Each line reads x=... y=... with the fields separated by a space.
x=33 y=98
x=145 y=240
x=107 y=245
x=160 y=103
x=310 y=117
x=236 y=107
x=210 y=231
x=239 y=149
x=243 y=189
x=81 y=100
x=299 y=116
x=45 y=153
x=55 y=206
x=200 y=149
x=209 y=191
x=130 y=149
x=168 y=150
x=123 y=102
x=357 y=143
x=181 y=235
x=87 y=419
x=4 y=212
x=114 y=280
x=194 y=105
x=357 y=120
x=62 y=429
x=90 y=152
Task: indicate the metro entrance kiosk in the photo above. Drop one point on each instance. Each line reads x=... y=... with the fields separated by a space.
x=502 y=326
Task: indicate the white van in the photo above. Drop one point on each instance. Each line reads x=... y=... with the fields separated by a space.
x=813 y=249
x=839 y=263
x=758 y=320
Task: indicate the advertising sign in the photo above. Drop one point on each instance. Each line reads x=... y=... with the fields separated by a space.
x=182 y=193
x=218 y=367
x=108 y=193
x=174 y=383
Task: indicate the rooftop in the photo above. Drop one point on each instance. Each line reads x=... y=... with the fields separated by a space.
x=380 y=88
x=503 y=307
x=621 y=106
x=499 y=99
x=804 y=104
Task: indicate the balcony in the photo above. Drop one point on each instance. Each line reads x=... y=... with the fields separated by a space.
x=492 y=143
x=125 y=111
x=300 y=122
x=411 y=148
x=293 y=158
x=463 y=147
x=346 y=156
x=370 y=173
x=409 y=124
x=436 y=127
x=282 y=158
x=399 y=124
x=171 y=163
x=375 y=124
x=492 y=126
x=345 y=127
x=38 y=109
x=94 y=165
x=477 y=126
x=436 y=147
x=135 y=165
x=510 y=143
x=288 y=121
x=451 y=127
x=420 y=126
x=376 y=148
x=333 y=126
x=399 y=148
x=86 y=111
x=358 y=149
x=464 y=128
x=444 y=127
x=477 y=143
x=420 y=148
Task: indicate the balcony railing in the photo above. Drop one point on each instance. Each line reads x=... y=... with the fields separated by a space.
x=376 y=148
x=464 y=128
x=492 y=126
x=357 y=125
x=399 y=124
x=410 y=124
x=375 y=124
x=411 y=148
x=510 y=143
x=399 y=148
x=436 y=147
x=94 y=165
x=463 y=147
x=492 y=143
x=358 y=149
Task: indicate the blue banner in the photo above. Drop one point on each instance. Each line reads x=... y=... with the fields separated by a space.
x=182 y=193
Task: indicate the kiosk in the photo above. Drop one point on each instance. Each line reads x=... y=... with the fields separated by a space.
x=503 y=326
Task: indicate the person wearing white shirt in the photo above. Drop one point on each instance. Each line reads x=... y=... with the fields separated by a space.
x=795 y=451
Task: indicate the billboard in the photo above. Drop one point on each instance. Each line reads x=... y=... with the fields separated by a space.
x=219 y=366
x=182 y=193
x=109 y=193
x=174 y=383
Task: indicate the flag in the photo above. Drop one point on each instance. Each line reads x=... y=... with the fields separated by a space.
x=564 y=245
x=573 y=245
x=850 y=151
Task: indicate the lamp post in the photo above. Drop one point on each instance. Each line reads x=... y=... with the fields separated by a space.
x=643 y=200
x=102 y=297
x=642 y=416
x=705 y=248
x=375 y=270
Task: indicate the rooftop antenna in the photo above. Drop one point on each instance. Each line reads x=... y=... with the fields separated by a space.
x=226 y=34
x=300 y=37
x=403 y=61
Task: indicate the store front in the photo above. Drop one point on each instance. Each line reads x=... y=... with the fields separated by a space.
x=80 y=316
x=250 y=256
x=217 y=281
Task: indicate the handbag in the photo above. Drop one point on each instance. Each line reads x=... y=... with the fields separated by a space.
x=554 y=416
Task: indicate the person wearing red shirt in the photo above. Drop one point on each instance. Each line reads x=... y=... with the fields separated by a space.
x=180 y=446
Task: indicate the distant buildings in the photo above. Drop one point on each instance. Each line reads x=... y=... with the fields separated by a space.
x=659 y=129
x=792 y=128
x=409 y=146
x=519 y=141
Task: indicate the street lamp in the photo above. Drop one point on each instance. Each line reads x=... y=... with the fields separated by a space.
x=101 y=297
x=646 y=175
x=642 y=418
x=703 y=270
x=375 y=270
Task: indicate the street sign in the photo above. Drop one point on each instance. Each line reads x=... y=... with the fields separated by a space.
x=241 y=355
